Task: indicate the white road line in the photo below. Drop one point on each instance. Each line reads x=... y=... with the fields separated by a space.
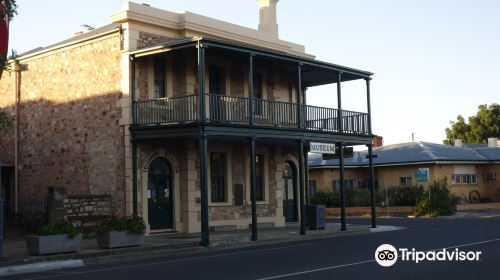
x=315 y=270
x=368 y=261
x=172 y=261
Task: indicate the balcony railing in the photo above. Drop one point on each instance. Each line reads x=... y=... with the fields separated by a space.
x=236 y=110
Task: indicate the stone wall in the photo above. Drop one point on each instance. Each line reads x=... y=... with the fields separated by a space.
x=89 y=205
x=148 y=39
x=69 y=121
x=60 y=205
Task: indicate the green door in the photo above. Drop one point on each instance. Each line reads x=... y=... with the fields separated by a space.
x=289 y=195
x=160 y=195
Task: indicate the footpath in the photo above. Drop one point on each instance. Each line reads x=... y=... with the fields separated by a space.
x=16 y=259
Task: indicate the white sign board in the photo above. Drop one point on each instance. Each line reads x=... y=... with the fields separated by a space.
x=322 y=148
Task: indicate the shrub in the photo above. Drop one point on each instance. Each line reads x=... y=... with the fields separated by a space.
x=329 y=199
x=357 y=198
x=440 y=202
x=353 y=198
x=59 y=227
x=401 y=196
x=133 y=225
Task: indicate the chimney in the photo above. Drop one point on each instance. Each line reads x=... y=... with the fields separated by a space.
x=377 y=141
x=458 y=143
x=492 y=142
x=267 y=17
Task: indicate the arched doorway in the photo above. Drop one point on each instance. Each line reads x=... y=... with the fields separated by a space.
x=160 y=195
x=290 y=192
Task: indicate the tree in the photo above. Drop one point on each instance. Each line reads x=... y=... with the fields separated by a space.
x=485 y=124
x=8 y=9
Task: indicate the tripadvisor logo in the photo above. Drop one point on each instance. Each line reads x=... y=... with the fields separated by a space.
x=387 y=255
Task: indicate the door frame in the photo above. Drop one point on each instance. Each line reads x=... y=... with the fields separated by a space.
x=293 y=169
x=175 y=181
x=168 y=177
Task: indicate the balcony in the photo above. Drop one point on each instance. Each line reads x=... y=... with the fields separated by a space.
x=232 y=110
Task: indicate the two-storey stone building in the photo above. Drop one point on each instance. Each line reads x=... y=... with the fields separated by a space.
x=177 y=117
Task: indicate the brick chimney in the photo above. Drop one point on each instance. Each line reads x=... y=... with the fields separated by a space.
x=267 y=17
x=377 y=141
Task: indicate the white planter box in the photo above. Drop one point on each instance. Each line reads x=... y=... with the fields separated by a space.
x=114 y=239
x=52 y=244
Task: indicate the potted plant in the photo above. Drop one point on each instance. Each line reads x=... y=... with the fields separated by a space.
x=115 y=232
x=58 y=237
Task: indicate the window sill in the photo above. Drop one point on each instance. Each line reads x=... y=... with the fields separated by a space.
x=260 y=202
x=217 y=204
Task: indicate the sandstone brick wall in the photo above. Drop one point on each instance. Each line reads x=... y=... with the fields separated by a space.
x=7 y=101
x=69 y=130
x=148 y=39
x=89 y=205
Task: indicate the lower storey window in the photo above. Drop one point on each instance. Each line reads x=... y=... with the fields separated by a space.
x=218 y=177
x=312 y=187
x=405 y=181
x=348 y=184
x=259 y=172
x=464 y=179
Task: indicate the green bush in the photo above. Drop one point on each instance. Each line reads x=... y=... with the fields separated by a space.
x=353 y=198
x=59 y=227
x=329 y=199
x=440 y=202
x=133 y=225
x=357 y=197
x=401 y=196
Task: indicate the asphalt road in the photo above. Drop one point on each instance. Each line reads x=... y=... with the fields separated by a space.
x=346 y=257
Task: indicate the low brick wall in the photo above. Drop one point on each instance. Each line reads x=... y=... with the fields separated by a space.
x=359 y=211
x=477 y=206
x=61 y=205
x=88 y=205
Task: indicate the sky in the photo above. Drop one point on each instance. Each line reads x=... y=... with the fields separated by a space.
x=431 y=60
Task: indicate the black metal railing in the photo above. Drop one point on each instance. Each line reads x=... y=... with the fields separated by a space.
x=235 y=110
x=166 y=110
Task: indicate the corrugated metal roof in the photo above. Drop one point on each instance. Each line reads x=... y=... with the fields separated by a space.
x=84 y=35
x=413 y=152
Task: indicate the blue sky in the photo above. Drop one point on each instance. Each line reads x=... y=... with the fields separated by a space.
x=432 y=59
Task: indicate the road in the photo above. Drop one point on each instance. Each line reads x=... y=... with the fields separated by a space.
x=345 y=257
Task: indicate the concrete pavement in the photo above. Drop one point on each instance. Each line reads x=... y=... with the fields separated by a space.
x=349 y=256
x=17 y=260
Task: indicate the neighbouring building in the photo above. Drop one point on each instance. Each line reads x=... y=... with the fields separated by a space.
x=175 y=117
x=469 y=168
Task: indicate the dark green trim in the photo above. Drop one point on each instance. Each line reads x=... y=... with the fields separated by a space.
x=368 y=105
x=172 y=45
x=250 y=89
x=302 y=184
x=372 y=186
x=298 y=92
x=339 y=102
x=192 y=130
x=201 y=81
x=134 y=179
x=205 y=235
x=253 y=191
x=342 y=189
